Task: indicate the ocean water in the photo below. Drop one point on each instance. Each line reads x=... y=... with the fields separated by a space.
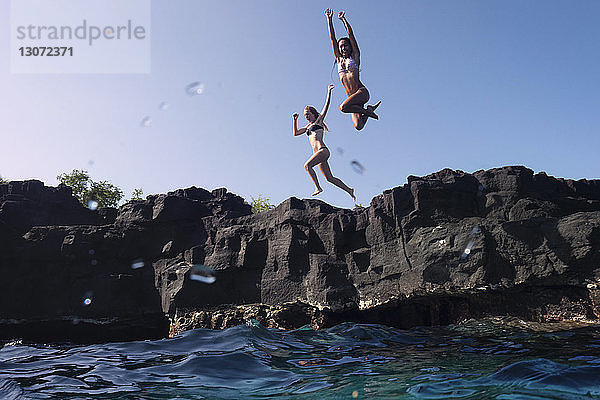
x=485 y=359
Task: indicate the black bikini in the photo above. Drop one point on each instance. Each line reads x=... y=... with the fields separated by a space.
x=313 y=127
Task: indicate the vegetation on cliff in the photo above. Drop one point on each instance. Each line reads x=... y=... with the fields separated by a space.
x=260 y=204
x=85 y=189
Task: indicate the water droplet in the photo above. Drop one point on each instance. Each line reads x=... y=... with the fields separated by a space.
x=203 y=273
x=467 y=250
x=340 y=151
x=146 y=122
x=357 y=167
x=87 y=298
x=164 y=106
x=92 y=204
x=137 y=263
x=94 y=262
x=91 y=162
x=194 y=88
x=91 y=252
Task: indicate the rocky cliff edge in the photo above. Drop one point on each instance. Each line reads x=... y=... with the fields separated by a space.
x=441 y=249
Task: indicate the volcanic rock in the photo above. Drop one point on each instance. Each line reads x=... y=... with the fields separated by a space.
x=440 y=249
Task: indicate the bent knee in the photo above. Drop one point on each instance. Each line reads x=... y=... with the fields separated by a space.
x=307 y=166
x=358 y=123
x=344 y=108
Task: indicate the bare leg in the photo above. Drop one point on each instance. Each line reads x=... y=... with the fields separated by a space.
x=359 y=120
x=317 y=158
x=374 y=106
x=324 y=166
x=355 y=105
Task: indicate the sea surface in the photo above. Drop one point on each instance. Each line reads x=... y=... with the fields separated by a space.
x=485 y=359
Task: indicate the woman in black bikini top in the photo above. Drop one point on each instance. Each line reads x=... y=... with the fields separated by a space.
x=314 y=130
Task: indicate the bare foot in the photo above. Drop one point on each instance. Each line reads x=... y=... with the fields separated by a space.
x=352 y=195
x=374 y=106
x=370 y=112
x=319 y=190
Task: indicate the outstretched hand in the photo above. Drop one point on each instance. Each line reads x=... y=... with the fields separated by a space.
x=329 y=13
x=295 y=115
x=341 y=14
x=330 y=87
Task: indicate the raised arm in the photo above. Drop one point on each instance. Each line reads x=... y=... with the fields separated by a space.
x=329 y=15
x=295 y=129
x=326 y=106
x=355 y=50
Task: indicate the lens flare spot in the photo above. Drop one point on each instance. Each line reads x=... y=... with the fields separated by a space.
x=164 y=106
x=92 y=205
x=137 y=263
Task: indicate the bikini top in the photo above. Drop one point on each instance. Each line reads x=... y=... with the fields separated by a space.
x=352 y=65
x=313 y=127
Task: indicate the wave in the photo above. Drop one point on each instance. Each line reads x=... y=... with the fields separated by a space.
x=478 y=359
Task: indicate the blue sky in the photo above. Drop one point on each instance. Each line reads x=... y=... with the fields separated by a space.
x=464 y=84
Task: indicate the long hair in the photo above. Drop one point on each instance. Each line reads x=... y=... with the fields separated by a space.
x=316 y=114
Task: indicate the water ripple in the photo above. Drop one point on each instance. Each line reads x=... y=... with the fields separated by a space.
x=478 y=359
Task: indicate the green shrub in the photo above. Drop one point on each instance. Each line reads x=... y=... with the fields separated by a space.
x=260 y=204
x=85 y=189
x=137 y=194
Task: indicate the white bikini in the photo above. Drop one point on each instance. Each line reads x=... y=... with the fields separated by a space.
x=352 y=65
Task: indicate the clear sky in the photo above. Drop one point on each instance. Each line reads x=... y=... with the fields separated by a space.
x=466 y=85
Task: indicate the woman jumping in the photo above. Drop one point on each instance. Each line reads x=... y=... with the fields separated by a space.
x=314 y=129
x=347 y=56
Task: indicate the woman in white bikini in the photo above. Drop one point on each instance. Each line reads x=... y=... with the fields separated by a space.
x=314 y=130
x=347 y=56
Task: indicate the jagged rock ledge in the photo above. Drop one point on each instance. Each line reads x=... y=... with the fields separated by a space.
x=441 y=249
